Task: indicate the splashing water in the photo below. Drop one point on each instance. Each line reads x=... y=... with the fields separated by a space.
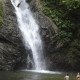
x=30 y=32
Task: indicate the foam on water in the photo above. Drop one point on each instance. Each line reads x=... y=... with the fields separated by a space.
x=43 y=71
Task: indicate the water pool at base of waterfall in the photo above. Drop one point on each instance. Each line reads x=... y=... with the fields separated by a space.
x=31 y=75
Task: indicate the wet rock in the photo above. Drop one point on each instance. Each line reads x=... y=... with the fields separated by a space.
x=48 y=31
x=12 y=49
x=55 y=59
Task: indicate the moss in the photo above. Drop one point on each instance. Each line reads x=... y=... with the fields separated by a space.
x=8 y=4
x=28 y=1
x=0 y=57
x=68 y=25
x=1 y=20
x=1 y=14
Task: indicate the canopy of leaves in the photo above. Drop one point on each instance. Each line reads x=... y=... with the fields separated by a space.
x=66 y=15
x=71 y=4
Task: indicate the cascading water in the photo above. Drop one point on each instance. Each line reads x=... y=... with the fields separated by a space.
x=30 y=32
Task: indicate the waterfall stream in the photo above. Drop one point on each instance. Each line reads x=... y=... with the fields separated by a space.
x=30 y=32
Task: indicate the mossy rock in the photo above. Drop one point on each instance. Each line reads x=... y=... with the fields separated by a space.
x=1 y=14
x=0 y=56
x=28 y=1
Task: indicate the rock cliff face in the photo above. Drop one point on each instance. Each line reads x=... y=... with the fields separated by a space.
x=48 y=31
x=55 y=58
x=12 y=51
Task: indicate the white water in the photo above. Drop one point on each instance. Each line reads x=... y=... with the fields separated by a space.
x=30 y=32
x=43 y=71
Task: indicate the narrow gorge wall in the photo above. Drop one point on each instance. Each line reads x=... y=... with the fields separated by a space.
x=48 y=31
x=13 y=53
x=11 y=47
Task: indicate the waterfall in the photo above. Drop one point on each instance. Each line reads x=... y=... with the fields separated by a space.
x=30 y=32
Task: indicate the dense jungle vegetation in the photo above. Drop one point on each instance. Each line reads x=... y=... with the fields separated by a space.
x=66 y=15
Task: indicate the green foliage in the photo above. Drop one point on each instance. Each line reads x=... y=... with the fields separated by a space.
x=71 y=4
x=75 y=50
x=1 y=14
x=65 y=13
x=62 y=20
